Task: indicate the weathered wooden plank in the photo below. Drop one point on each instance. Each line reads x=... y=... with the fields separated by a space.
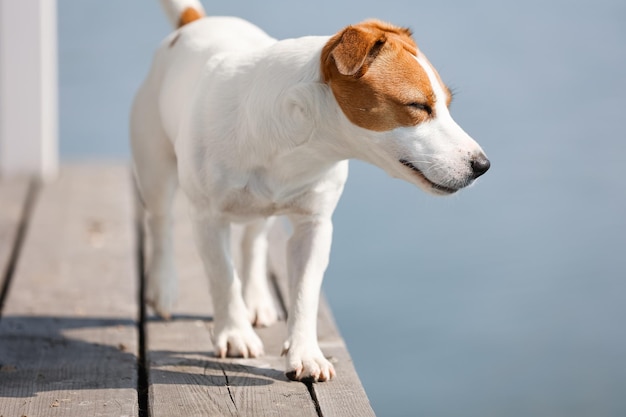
x=343 y=395
x=13 y=196
x=68 y=329
x=184 y=375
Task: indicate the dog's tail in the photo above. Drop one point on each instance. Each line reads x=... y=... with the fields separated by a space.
x=181 y=12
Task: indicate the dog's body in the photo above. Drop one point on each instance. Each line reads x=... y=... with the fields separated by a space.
x=252 y=128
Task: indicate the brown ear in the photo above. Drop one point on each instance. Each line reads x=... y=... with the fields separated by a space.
x=355 y=49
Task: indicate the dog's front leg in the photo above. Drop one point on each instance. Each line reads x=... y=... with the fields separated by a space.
x=308 y=253
x=233 y=334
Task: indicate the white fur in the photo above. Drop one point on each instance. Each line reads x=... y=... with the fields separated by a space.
x=248 y=129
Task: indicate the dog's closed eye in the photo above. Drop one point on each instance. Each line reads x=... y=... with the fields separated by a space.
x=421 y=106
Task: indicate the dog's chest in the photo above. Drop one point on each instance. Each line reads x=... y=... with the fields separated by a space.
x=260 y=196
x=243 y=205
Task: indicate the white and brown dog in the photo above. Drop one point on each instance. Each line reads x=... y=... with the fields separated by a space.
x=251 y=127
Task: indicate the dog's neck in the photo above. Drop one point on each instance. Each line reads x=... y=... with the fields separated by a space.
x=299 y=114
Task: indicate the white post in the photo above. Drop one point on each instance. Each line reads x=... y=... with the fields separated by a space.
x=28 y=88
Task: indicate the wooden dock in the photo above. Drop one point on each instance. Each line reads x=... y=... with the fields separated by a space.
x=75 y=340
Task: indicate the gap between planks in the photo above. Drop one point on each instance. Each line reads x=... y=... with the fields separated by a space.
x=142 y=367
x=12 y=234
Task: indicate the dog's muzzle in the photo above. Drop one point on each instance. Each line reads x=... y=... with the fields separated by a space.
x=479 y=165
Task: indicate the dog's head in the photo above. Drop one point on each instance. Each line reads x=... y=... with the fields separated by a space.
x=398 y=106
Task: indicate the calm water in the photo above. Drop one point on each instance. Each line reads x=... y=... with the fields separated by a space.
x=507 y=300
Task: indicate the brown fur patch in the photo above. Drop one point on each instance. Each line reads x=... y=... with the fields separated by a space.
x=375 y=78
x=189 y=15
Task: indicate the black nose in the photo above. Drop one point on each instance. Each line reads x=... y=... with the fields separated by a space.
x=480 y=165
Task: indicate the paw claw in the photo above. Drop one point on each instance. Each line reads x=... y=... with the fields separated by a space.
x=238 y=342
x=307 y=365
x=295 y=375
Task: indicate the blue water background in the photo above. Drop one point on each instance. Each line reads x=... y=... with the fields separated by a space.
x=506 y=300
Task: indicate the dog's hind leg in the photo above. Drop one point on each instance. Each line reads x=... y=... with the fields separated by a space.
x=253 y=270
x=155 y=174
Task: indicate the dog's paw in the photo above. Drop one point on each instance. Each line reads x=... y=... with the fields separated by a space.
x=163 y=310
x=307 y=364
x=237 y=342
x=262 y=312
x=160 y=299
x=260 y=303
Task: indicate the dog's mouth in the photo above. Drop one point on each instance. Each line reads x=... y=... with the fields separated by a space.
x=437 y=187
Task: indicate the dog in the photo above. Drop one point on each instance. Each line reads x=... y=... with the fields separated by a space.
x=251 y=128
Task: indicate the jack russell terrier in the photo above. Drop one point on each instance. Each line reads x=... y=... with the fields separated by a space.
x=251 y=128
